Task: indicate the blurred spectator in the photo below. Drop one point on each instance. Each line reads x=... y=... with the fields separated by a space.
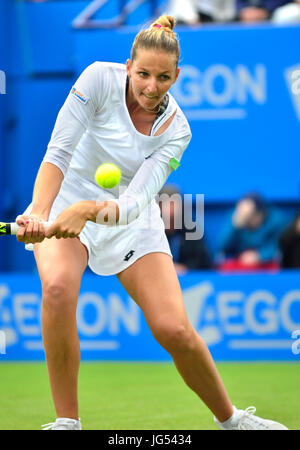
x=289 y=243
x=187 y=254
x=288 y=13
x=193 y=12
x=225 y=10
x=258 y=10
x=249 y=240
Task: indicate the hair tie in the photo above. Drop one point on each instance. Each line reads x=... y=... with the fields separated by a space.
x=157 y=25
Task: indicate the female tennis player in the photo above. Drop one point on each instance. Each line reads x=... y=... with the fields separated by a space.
x=121 y=114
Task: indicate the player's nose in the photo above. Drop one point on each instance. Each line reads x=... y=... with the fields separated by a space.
x=152 y=87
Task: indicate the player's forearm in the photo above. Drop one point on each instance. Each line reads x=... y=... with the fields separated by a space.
x=104 y=213
x=46 y=188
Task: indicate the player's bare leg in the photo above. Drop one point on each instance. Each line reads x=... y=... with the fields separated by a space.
x=152 y=282
x=61 y=263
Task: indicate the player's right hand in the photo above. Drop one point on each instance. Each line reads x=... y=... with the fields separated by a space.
x=32 y=229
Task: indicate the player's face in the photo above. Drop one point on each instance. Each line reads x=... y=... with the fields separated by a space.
x=151 y=74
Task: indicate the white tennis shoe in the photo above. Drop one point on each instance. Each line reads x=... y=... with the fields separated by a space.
x=63 y=423
x=246 y=420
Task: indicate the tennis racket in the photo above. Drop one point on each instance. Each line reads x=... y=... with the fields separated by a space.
x=11 y=228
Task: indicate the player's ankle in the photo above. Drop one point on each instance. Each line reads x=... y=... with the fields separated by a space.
x=232 y=421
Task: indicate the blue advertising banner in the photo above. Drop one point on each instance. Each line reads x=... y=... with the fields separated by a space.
x=241 y=318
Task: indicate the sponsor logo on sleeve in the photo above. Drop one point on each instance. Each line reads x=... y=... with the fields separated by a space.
x=83 y=98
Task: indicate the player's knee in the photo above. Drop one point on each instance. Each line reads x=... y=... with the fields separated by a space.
x=58 y=292
x=175 y=336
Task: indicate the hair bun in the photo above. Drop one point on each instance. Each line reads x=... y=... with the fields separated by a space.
x=164 y=22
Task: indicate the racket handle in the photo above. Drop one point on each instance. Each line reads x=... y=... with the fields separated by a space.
x=12 y=228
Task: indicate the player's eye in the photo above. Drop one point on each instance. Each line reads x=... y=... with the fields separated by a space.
x=164 y=77
x=143 y=74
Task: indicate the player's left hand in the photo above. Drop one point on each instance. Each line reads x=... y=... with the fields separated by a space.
x=31 y=229
x=68 y=224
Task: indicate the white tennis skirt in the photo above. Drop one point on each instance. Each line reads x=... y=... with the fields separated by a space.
x=112 y=249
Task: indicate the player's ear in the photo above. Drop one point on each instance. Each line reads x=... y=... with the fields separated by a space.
x=177 y=73
x=128 y=66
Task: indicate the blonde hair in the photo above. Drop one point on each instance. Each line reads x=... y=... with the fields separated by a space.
x=159 y=36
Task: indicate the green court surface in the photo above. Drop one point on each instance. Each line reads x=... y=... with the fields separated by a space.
x=147 y=396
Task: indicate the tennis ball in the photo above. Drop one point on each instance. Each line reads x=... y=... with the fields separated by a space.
x=108 y=175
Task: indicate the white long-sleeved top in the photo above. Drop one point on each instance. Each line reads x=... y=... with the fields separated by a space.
x=94 y=127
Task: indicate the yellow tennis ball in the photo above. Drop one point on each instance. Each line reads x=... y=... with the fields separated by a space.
x=108 y=175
